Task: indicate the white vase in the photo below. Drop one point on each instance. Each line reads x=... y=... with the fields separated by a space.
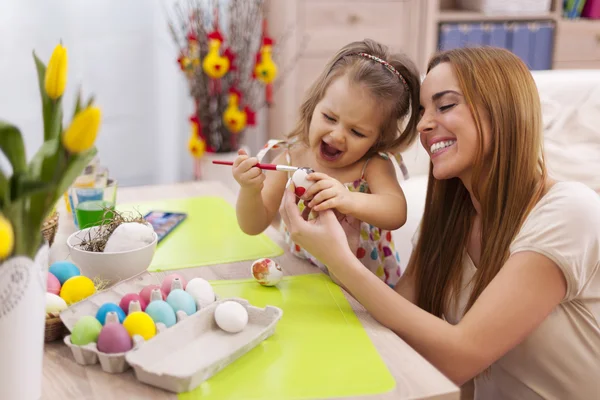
x=222 y=173
x=22 y=324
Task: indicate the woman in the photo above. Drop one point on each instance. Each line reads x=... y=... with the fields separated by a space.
x=503 y=284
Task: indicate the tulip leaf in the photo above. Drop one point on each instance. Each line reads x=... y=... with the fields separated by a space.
x=47 y=150
x=76 y=163
x=4 y=190
x=51 y=109
x=23 y=187
x=77 y=104
x=11 y=144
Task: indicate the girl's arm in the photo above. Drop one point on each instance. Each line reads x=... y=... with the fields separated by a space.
x=518 y=299
x=385 y=207
x=256 y=210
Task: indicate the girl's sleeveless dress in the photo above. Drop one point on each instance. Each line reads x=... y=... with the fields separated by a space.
x=373 y=246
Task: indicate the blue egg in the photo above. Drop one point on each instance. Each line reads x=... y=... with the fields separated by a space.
x=109 y=307
x=64 y=270
x=161 y=311
x=181 y=300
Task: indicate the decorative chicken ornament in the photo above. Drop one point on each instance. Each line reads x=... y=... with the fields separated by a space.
x=196 y=143
x=193 y=50
x=265 y=69
x=214 y=64
x=234 y=118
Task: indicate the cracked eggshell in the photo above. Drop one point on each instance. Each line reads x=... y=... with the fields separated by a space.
x=301 y=184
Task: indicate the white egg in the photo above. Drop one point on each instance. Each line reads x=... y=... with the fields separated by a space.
x=54 y=304
x=231 y=316
x=266 y=272
x=301 y=184
x=202 y=292
x=129 y=236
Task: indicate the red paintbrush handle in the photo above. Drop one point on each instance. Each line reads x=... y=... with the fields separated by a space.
x=271 y=167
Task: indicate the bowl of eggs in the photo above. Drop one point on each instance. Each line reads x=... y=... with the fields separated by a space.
x=128 y=251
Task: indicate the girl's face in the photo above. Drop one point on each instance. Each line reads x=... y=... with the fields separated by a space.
x=447 y=127
x=345 y=124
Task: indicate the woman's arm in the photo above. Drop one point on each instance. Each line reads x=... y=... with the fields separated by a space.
x=256 y=210
x=518 y=299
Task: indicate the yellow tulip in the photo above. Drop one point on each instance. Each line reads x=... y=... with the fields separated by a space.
x=7 y=238
x=81 y=134
x=55 y=80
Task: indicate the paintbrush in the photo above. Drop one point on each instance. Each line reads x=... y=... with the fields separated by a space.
x=271 y=167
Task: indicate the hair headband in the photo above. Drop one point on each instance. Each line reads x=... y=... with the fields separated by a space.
x=387 y=65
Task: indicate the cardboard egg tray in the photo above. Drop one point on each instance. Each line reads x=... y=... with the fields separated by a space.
x=164 y=361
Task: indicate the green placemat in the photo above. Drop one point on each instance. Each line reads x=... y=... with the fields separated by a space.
x=319 y=349
x=209 y=235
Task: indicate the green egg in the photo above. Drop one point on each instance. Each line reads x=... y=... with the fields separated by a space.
x=86 y=330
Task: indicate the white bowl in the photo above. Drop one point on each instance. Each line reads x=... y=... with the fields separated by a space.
x=112 y=267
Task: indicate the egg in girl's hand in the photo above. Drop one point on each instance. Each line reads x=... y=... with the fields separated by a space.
x=266 y=272
x=64 y=270
x=181 y=300
x=77 y=288
x=128 y=298
x=114 y=338
x=140 y=323
x=85 y=330
x=54 y=304
x=168 y=284
x=202 y=292
x=147 y=291
x=161 y=312
x=231 y=316
x=52 y=284
x=301 y=184
x=107 y=308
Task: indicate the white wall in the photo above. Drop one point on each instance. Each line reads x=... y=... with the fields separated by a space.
x=120 y=51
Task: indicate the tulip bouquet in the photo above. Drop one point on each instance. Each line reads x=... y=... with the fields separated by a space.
x=29 y=194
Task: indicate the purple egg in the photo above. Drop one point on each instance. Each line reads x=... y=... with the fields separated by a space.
x=114 y=338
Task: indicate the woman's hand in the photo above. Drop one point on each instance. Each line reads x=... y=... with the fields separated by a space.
x=327 y=193
x=323 y=237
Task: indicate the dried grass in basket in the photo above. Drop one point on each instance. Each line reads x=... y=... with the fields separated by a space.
x=50 y=227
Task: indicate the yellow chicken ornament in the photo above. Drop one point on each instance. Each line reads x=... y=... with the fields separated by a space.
x=196 y=143
x=234 y=118
x=265 y=69
x=214 y=64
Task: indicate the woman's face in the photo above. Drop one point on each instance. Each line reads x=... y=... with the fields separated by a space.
x=447 y=127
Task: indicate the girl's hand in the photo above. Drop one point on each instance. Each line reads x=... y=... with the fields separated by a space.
x=244 y=172
x=323 y=237
x=328 y=193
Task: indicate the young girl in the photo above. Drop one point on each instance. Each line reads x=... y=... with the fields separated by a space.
x=349 y=121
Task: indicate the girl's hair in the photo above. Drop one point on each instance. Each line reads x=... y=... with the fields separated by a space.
x=497 y=86
x=400 y=93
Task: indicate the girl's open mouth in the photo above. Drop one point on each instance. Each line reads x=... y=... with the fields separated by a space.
x=329 y=153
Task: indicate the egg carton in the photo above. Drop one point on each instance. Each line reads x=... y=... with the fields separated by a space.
x=165 y=362
x=114 y=363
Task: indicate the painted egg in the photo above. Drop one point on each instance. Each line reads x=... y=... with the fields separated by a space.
x=266 y=272
x=161 y=312
x=168 y=284
x=114 y=338
x=202 y=292
x=109 y=307
x=85 y=330
x=54 y=304
x=52 y=284
x=181 y=300
x=140 y=323
x=231 y=316
x=77 y=288
x=147 y=291
x=301 y=184
x=64 y=270
x=128 y=298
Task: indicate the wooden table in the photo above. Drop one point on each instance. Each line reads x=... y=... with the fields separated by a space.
x=64 y=379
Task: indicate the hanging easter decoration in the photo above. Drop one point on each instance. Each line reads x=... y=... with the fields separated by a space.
x=215 y=64
x=236 y=119
x=265 y=69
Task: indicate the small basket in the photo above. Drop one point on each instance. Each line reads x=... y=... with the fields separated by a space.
x=55 y=329
x=50 y=227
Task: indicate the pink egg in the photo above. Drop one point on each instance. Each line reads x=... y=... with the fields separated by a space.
x=147 y=291
x=52 y=284
x=128 y=298
x=167 y=282
x=114 y=338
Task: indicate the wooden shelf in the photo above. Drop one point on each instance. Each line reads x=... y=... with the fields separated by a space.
x=468 y=16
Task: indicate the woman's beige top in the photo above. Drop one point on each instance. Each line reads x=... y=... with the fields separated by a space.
x=561 y=358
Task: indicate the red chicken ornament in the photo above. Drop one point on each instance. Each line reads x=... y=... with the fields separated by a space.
x=234 y=118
